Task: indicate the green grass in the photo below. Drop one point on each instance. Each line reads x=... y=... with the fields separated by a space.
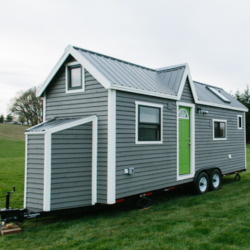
x=175 y=220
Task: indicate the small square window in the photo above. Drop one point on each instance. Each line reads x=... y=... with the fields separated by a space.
x=220 y=130
x=239 y=117
x=149 y=123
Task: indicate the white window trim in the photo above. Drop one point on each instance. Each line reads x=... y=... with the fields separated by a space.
x=192 y=140
x=238 y=121
x=219 y=139
x=137 y=103
x=47 y=158
x=68 y=91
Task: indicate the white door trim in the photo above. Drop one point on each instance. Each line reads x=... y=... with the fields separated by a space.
x=192 y=140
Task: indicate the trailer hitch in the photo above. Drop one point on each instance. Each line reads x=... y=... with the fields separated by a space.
x=16 y=215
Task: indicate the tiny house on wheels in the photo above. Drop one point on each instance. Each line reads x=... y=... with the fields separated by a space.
x=113 y=129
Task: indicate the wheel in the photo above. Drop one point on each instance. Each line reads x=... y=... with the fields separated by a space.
x=215 y=180
x=202 y=183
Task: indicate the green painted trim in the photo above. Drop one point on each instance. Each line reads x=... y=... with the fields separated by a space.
x=184 y=140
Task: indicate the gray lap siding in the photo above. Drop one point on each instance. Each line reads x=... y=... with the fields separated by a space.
x=71 y=179
x=35 y=172
x=93 y=101
x=156 y=165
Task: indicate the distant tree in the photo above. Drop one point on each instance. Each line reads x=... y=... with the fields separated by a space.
x=28 y=105
x=9 y=118
x=1 y=118
x=21 y=119
x=244 y=98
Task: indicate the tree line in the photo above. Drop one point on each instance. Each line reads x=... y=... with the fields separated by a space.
x=27 y=106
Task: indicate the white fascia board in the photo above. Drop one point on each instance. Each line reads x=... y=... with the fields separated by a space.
x=71 y=124
x=172 y=67
x=26 y=174
x=85 y=64
x=35 y=133
x=144 y=92
x=41 y=89
x=186 y=75
x=111 y=170
x=47 y=173
x=90 y=67
x=221 y=106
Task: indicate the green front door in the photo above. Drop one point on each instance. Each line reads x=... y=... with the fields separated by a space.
x=184 y=140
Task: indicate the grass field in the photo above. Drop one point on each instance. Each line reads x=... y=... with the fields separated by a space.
x=176 y=220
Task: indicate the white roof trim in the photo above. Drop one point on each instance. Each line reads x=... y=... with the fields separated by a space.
x=83 y=61
x=172 y=67
x=108 y=85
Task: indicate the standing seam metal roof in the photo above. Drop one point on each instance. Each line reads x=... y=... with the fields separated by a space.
x=53 y=123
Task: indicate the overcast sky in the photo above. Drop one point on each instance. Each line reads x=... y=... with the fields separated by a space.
x=213 y=37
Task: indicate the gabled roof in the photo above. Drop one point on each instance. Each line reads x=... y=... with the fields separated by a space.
x=114 y=73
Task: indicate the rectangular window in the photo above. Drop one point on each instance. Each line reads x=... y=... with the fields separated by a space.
x=149 y=123
x=239 y=117
x=220 y=129
x=75 y=77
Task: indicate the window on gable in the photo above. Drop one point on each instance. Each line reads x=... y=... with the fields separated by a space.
x=74 y=78
x=149 y=123
x=239 y=117
x=220 y=130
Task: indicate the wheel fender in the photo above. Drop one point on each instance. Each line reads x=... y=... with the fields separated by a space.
x=207 y=170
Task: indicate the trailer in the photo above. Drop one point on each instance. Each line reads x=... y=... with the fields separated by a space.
x=113 y=129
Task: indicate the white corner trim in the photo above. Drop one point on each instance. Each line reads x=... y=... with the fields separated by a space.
x=245 y=140
x=219 y=139
x=47 y=173
x=67 y=90
x=94 y=159
x=26 y=174
x=192 y=140
x=238 y=121
x=44 y=106
x=149 y=104
x=111 y=170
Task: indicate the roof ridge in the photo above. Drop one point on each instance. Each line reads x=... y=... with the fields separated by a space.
x=113 y=58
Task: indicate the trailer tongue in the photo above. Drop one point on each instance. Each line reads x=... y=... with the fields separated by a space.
x=16 y=215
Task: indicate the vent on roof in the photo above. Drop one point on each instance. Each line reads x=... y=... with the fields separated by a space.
x=217 y=93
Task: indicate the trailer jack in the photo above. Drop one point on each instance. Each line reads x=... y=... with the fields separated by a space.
x=237 y=177
x=144 y=202
x=18 y=216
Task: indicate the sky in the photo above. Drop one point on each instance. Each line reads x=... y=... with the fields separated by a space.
x=213 y=37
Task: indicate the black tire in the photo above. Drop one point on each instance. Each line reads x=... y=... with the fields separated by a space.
x=202 y=183
x=215 y=180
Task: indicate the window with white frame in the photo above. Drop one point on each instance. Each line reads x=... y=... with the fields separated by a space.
x=75 y=78
x=148 y=123
x=219 y=129
x=239 y=121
